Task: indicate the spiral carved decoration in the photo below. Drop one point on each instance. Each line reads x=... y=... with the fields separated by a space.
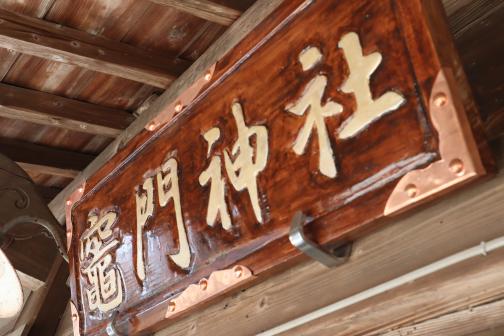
x=23 y=200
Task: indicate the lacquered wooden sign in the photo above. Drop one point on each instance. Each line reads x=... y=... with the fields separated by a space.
x=348 y=111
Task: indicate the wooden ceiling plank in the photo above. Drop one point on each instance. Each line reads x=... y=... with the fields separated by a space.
x=47 y=109
x=459 y=323
x=204 y=9
x=43 y=159
x=62 y=44
x=468 y=284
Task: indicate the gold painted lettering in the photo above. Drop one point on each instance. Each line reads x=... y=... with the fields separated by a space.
x=243 y=171
x=217 y=202
x=144 y=210
x=310 y=102
x=96 y=244
x=361 y=68
x=242 y=168
x=168 y=189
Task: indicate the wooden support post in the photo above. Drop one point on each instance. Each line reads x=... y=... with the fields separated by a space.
x=47 y=109
x=62 y=44
x=204 y=9
x=37 y=298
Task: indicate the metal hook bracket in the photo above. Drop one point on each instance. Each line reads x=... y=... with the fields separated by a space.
x=111 y=327
x=338 y=255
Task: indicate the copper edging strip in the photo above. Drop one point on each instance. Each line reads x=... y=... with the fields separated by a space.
x=217 y=284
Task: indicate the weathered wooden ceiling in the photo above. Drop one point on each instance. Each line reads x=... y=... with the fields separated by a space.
x=76 y=72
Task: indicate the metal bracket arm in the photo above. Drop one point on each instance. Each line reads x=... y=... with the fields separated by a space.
x=339 y=255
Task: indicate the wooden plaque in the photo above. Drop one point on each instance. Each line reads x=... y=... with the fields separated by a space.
x=348 y=111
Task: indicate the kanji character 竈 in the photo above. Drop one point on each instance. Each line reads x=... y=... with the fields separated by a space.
x=96 y=243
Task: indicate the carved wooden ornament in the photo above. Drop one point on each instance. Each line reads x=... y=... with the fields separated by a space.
x=349 y=111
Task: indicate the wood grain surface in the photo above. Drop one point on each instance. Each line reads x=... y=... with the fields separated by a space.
x=342 y=207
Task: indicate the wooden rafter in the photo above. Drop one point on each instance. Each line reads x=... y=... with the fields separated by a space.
x=47 y=109
x=43 y=159
x=62 y=44
x=204 y=9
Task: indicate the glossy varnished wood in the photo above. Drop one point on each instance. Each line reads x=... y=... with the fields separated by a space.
x=264 y=80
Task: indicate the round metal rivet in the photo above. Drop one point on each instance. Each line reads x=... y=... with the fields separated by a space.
x=440 y=99
x=203 y=284
x=152 y=126
x=411 y=190
x=238 y=271
x=457 y=166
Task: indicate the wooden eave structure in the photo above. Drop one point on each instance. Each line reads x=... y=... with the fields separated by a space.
x=76 y=90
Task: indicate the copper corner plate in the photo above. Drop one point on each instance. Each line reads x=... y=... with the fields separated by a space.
x=459 y=161
x=219 y=283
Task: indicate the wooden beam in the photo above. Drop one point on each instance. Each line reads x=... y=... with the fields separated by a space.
x=31 y=168
x=204 y=9
x=471 y=283
x=37 y=298
x=47 y=109
x=43 y=159
x=459 y=323
x=47 y=40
